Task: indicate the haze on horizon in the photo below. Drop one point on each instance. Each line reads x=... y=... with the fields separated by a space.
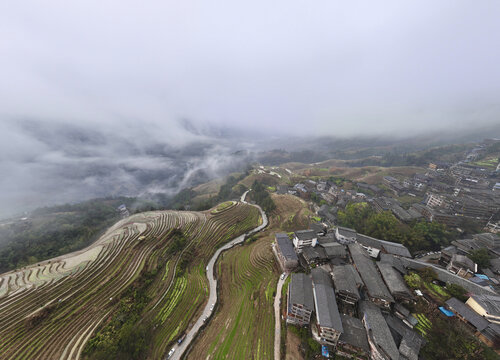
x=87 y=85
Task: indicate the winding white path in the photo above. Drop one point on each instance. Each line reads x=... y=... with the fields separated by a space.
x=212 y=281
x=277 y=318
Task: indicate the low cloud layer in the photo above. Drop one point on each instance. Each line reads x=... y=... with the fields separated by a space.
x=92 y=92
x=336 y=67
x=49 y=163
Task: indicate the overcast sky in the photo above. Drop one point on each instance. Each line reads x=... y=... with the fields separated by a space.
x=336 y=66
x=129 y=70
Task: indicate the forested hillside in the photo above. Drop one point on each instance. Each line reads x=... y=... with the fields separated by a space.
x=416 y=236
x=57 y=230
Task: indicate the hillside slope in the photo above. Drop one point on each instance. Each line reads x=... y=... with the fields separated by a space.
x=147 y=272
x=243 y=326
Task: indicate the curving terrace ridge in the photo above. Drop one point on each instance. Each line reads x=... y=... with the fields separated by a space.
x=179 y=349
x=51 y=309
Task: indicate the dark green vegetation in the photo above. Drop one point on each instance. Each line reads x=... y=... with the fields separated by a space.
x=450 y=339
x=58 y=230
x=261 y=196
x=123 y=337
x=54 y=231
x=311 y=347
x=129 y=296
x=447 y=338
x=457 y=291
x=424 y=280
x=416 y=236
x=317 y=199
x=185 y=199
x=481 y=257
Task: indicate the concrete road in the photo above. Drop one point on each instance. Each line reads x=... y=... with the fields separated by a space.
x=277 y=318
x=212 y=281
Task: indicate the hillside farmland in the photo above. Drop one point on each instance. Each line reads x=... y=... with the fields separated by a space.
x=53 y=309
x=243 y=327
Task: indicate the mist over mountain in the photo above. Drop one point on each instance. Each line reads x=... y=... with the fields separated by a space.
x=50 y=162
x=99 y=98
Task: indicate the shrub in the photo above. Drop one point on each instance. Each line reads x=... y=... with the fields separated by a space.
x=413 y=280
x=457 y=291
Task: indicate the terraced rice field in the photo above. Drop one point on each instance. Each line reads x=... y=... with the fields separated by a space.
x=51 y=309
x=249 y=280
x=243 y=327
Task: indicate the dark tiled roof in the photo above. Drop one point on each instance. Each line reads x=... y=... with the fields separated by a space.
x=414 y=213
x=345 y=280
x=479 y=281
x=495 y=265
x=450 y=250
x=317 y=227
x=393 y=280
x=327 y=312
x=371 y=278
x=390 y=179
x=355 y=275
x=467 y=313
x=327 y=240
x=311 y=254
x=320 y=276
x=378 y=329
x=305 y=234
x=401 y=213
x=490 y=303
x=489 y=273
x=490 y=240
x=410 y=345
x=492 y=332
x=467 y=244
x=335 y=250
x=463 y=260
x=395 y=261
x=337 y=261
x=281 y=189
x=286 y=246
x=301 y=290
x=347 y=232
x=354 y=333
x=388 y=246
x=401 y=309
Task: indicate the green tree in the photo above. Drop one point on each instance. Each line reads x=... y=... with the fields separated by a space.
x=457 y=291
x=132 y=341
x=260 y=195
x=413 y=280
x=428 y=274
x=384 y=225
x=481 y=257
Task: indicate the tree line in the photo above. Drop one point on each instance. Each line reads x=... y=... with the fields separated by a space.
x=56 y=230
x=416 y=236
x=261 y=196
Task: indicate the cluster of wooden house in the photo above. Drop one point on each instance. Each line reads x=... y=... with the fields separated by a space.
x=352 y=290
x=346 y=295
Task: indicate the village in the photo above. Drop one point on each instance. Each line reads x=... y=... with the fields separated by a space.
x=355 y=292
x=355 y=287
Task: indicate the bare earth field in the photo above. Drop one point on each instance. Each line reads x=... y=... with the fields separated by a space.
x=292 y=347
